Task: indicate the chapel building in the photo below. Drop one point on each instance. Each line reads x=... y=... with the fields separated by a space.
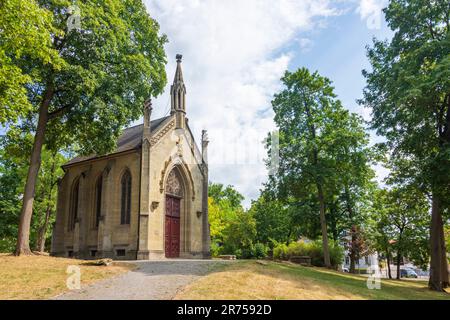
x=148 y=199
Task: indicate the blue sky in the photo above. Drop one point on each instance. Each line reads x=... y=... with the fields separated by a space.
x=234 y=55
x=338 y=52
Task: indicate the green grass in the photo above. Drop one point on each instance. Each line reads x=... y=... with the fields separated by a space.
x=357 y=285
x=274 y=280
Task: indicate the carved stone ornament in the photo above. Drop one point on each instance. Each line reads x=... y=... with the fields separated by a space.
x=173 y=185
x=154 y=140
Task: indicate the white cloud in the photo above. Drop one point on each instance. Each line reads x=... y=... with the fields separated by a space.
x=231 y=69
x=305 y=44
x=371 y=11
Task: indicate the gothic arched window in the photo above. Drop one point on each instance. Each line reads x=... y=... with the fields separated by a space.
x=73 y=208
x=125 y=203
x=98 y=199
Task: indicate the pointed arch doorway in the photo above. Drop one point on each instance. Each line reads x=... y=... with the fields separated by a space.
x=174 y=197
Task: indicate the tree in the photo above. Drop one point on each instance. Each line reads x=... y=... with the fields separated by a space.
x=109 y=67
x=355 y=180
x=380 y=232
x=447 y=244
x=239 y=235
x=218 y=192
x=46 y=195
x=224 y=209
x=408 y=215
x=324 y=159
x=401 y=219
x=273 y=221
x=15 y=151
x=408 y=90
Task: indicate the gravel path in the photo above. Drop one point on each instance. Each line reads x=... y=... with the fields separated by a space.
x=152 y=280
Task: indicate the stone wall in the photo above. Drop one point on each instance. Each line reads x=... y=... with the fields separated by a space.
x=169 y=150
x=110 y=238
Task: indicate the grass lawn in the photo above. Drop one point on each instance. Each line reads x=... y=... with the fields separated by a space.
x=41 y=277
x=251 y=280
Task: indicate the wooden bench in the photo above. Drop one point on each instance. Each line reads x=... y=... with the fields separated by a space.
x=302 y=260
x=228 y=257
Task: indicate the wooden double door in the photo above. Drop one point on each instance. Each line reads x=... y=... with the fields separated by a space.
x=172 y=227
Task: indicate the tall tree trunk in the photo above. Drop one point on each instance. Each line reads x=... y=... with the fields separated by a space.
x=444 y=263
x=439 y=275
x=40 y=243
x=388 y=261
x=323 y=223
x=353 y=252
x=23 y=237
x=332 y=220
x=399 y=259
x=435 y=281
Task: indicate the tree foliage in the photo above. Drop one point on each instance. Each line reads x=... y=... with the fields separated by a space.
x=15 y=149
x=273 y=221
x=25 y=43
x=232 y=229
x=408 y=90
x=325 y=161
x=399 y=225
x=83 y=84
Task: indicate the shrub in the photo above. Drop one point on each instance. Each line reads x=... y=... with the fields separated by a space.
x=216 y=249
x=280 y=252
x=260 y=251
x=297 y=249
x=312 y=249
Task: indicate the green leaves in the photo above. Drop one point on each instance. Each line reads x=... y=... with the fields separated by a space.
x=409 y=86
x=232 y=229
x=320 y=143
x=102 y=73
x=14 y=154
x=26 y=31
x=399 y=222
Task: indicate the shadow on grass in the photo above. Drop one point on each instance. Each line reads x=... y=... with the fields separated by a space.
x=354 y=284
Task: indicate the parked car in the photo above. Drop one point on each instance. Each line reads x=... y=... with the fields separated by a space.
x=408 y=273
x=345 y=269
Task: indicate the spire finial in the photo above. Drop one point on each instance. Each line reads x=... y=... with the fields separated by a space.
x=179 y=57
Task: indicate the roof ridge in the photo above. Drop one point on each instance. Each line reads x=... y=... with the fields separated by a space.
x=130 y=138
x=141 y=124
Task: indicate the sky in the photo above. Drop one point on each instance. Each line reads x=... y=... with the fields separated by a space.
x=234 y=54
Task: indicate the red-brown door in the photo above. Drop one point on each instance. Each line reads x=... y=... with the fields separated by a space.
x=172 y=234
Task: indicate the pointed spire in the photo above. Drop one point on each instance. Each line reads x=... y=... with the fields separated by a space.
x=178 y=90
x=178 y=72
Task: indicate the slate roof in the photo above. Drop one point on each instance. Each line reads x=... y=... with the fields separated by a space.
x=131 y=138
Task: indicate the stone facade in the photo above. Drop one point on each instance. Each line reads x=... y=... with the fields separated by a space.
x=102 y=214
